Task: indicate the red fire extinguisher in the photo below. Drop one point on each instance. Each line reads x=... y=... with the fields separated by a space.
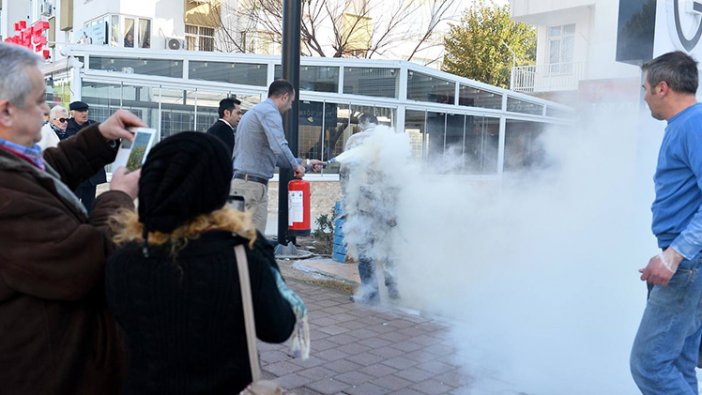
x=299 y=207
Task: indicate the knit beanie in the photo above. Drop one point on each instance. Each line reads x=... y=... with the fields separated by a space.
x=185 y=175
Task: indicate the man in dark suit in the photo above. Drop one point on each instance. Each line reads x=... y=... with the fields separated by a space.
x=229 y=116
x=78 y=121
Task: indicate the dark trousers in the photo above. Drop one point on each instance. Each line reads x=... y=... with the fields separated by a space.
x=86 y=194
x=366 y=270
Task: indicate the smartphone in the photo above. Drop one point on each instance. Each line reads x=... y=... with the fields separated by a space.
x=133 y=154
x=237 y=202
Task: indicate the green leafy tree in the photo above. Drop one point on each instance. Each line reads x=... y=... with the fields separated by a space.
x=487 y=43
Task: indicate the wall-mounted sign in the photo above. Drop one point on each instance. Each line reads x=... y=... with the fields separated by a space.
x=31 y=37
x=684 y=25
x=649 y=28
x=95 y=34
x=678 y=27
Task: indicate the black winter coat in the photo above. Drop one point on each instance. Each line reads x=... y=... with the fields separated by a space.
x=224 y=132
x=183 y=317
x=72 y=129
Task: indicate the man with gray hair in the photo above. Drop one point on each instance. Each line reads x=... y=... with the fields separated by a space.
x=56 y=335
x=666 y=348
x=54 y=130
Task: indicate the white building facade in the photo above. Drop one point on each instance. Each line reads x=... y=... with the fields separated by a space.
x=135 y=54
x=576 y=50
x=225 y=26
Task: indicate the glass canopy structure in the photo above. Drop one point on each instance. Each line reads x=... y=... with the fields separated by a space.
x=491 y=130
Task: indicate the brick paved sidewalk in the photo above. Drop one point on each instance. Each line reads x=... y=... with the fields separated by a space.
x=366 y=351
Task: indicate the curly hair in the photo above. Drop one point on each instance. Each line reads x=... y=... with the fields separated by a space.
x=126 y=228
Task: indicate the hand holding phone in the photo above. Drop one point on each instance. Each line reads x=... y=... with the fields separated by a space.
x=132 y=154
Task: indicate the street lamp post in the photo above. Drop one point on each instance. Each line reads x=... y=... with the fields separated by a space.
x=291 y=72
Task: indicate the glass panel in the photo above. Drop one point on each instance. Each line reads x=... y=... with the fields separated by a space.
x=481 y=145
x=384 y=115
x=453 y=141
x=177 y=111
x=315 y=78
x=336 y=120
x=142 y=101
x=557 y=112
x=516 y=105
x=569 y=29
x=554 y=51
x=423 y=87
x=350 y=124
x=337 y=128
x=568 y=46
x=415 y=128
x=474 y=97
x=207 y=109
x=523 y=149
x=114 y=31
x=436 y=135
x=247 y=101
x=129 y=32
x=371 y=81
x=164 y=68
x=235 y=73
x=554 y=31
x=145 y=33
x=206 y=42
x=336 y=131
x=58 y=90
x=190 y=43
x=310 y=137
x=103 y=99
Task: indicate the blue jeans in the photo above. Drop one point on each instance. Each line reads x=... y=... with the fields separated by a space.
x=666 y=347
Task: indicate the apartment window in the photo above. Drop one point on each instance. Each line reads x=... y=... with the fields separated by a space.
x=199 y=38
x=144 y=33
x=114 y=30
x=123 y=31
x=561 y=47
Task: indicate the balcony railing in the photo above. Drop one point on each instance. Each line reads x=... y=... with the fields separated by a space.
x=547 y=77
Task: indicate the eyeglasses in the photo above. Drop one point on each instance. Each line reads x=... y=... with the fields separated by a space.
x=62 y=120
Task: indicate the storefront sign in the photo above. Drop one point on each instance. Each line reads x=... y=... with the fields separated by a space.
x=31 y=37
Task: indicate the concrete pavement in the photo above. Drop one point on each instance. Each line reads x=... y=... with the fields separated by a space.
x=358 y=349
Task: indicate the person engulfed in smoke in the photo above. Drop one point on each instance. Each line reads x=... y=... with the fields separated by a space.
x=368 y=200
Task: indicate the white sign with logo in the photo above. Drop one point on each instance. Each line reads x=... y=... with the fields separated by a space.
x=678 y=27
x=95 y=34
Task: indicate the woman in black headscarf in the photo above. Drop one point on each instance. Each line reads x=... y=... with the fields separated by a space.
x=173 y=284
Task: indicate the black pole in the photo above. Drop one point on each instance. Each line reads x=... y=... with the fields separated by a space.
x=291 y=72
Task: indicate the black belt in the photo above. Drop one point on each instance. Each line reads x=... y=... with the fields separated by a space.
x=249 y=177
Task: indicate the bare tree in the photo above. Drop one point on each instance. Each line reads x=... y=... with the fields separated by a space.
x=338 y=28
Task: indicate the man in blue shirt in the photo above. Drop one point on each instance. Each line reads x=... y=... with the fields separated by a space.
x=666 y=348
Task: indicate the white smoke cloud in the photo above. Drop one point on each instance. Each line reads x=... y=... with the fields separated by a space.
x=539 y=272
